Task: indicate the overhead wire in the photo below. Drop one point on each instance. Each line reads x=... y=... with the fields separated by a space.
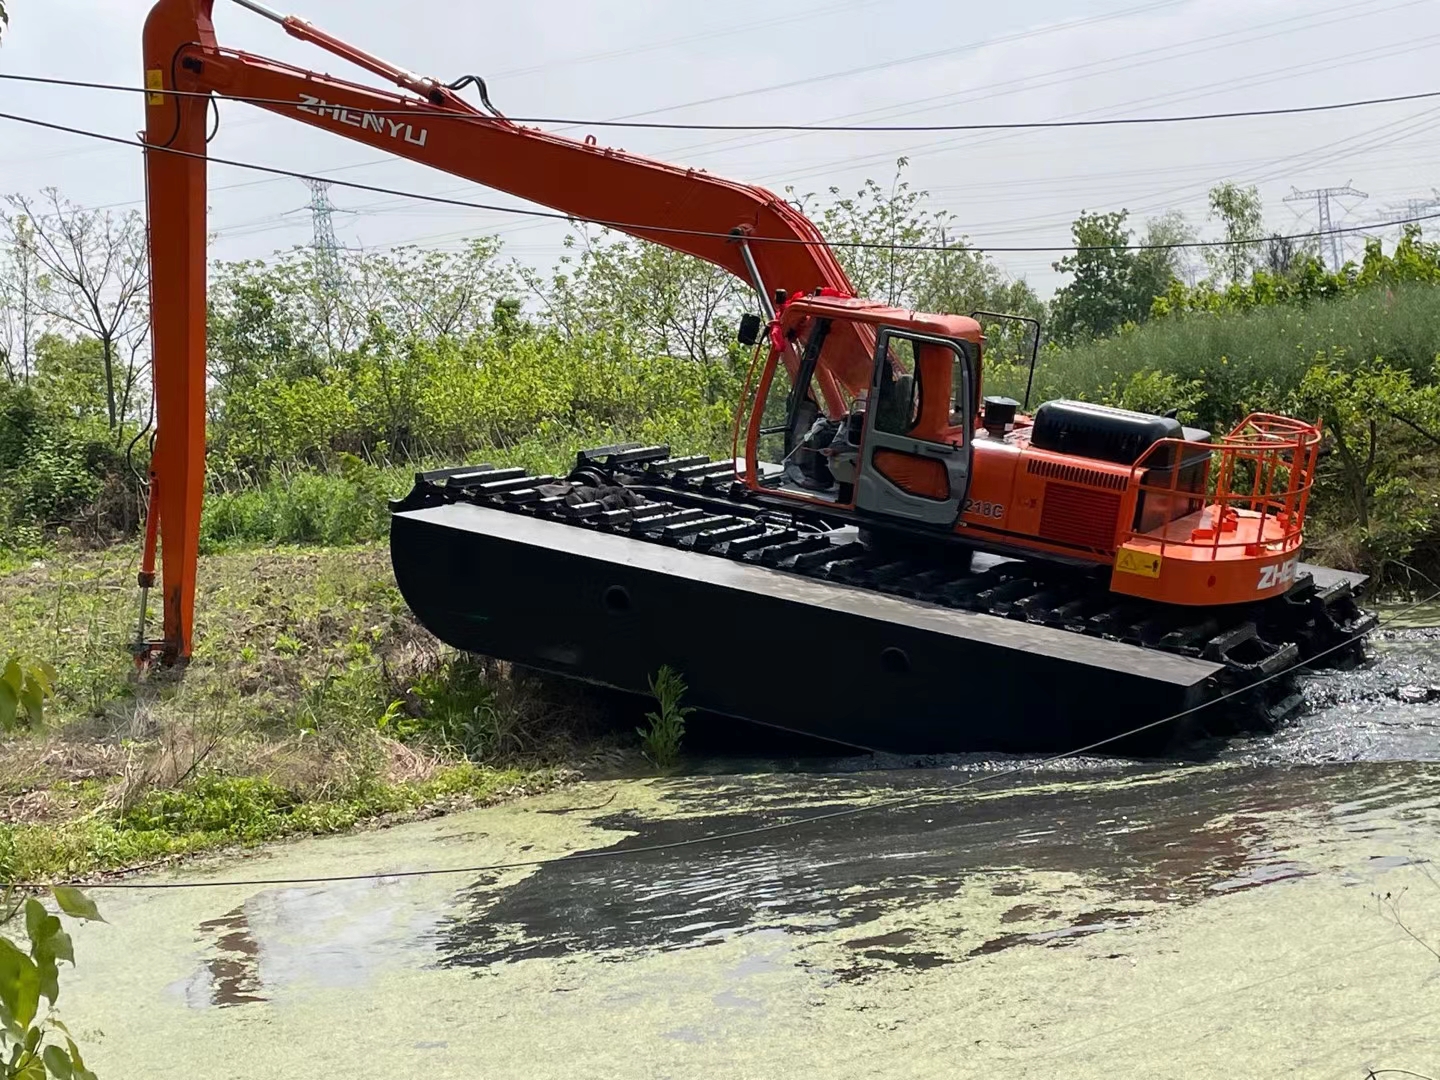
x=971 y=143
x=712 y=34
x=1111 y=65
x=672 y=230
x=933 y=54
x=1068 y=75
x=751 y=831
x=1351 y=56
x=1015 y=125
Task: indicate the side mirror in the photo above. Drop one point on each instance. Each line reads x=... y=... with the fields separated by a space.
x=749 y=330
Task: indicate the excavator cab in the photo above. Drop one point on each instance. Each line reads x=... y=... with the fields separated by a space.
x=891 y=437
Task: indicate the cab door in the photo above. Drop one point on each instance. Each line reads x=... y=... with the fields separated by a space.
x=916 y=454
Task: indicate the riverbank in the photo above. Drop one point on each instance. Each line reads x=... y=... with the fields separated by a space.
x=314 y=703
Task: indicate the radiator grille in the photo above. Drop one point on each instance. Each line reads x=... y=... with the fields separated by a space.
x=1072 y=515
x=1075 y=474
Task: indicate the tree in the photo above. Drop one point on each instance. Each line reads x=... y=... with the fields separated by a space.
x=20 y=315
x=1285 y=257
x=1161 y=260
x=875 y=232
x=1383 y=428
x=660 y=301
x=895 y=249
x=92 y=276
x=1114 y=284
x=70 y=375
x=1239 y=212
x=1096 y=301
x=436 y=293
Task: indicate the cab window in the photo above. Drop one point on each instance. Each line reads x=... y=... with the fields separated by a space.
x=898 y=405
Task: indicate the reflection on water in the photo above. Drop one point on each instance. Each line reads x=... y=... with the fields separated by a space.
x=1146 y=840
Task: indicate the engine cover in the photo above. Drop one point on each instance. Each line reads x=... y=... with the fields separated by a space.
x=1081 y=429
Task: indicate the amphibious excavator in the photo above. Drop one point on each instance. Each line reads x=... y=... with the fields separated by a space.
x=889 y=558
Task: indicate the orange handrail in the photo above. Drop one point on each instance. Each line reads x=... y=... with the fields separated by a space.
x=1282 y=450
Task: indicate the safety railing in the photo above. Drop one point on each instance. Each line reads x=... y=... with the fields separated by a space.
x=1251 y=488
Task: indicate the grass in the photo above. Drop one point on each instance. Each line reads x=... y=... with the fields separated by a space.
x=313 y=702
x=1228 y=365
x=217 y=811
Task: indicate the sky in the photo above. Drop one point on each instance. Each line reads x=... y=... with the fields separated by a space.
x=808 y=61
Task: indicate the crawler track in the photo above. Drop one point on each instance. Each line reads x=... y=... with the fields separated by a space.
x=693 y=503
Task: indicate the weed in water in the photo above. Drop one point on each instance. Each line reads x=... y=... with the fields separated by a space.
x=661 y=742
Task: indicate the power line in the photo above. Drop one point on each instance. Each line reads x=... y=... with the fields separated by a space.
x=1070 y=73
x=757 y=830
x=1065 y=76
x=918 y=105
x=1021 y=125
x=1031 y=225
x=937 y=54
x=671 y=230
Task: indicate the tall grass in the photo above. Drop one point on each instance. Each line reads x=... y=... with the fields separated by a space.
x=1238 y=363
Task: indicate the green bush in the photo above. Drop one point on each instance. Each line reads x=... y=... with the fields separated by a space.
x=345 y=506
x=1227 y=365
x=52 y=467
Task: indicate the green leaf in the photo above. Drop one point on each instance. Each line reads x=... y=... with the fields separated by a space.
x=47 y=953
x=75 y=1057
x=33 y=698
x=76 y=904
x=19 y=983
x=61 y=947
x=9 y=705
x=58 y=1062
x=12 y=676
x=35 y=916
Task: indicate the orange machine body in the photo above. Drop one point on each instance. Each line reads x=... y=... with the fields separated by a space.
x=1226 y=529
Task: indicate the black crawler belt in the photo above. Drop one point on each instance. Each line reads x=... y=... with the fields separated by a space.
x=694 y=503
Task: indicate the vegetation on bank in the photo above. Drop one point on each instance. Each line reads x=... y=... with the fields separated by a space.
x=314 y=702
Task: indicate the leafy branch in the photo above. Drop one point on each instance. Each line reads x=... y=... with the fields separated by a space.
x=27 y=976
x=24 y=689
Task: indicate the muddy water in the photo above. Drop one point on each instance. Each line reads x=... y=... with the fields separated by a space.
x=1268 y=908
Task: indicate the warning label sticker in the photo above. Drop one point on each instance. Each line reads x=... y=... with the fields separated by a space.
x=1144 y=563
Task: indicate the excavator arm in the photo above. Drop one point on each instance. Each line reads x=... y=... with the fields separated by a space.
x=746 y=230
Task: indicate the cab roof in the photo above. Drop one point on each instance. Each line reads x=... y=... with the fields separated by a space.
x=876 y=313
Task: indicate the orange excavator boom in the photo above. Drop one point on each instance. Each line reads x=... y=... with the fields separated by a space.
x=747 y=230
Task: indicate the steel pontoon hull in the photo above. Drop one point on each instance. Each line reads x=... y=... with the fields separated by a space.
x=826 y=659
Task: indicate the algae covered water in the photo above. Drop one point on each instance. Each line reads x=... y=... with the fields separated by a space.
x=1264 y=907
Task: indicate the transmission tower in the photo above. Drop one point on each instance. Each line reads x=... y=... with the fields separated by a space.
x=327 y=248
x=1409 y=209
x=1326 y=227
